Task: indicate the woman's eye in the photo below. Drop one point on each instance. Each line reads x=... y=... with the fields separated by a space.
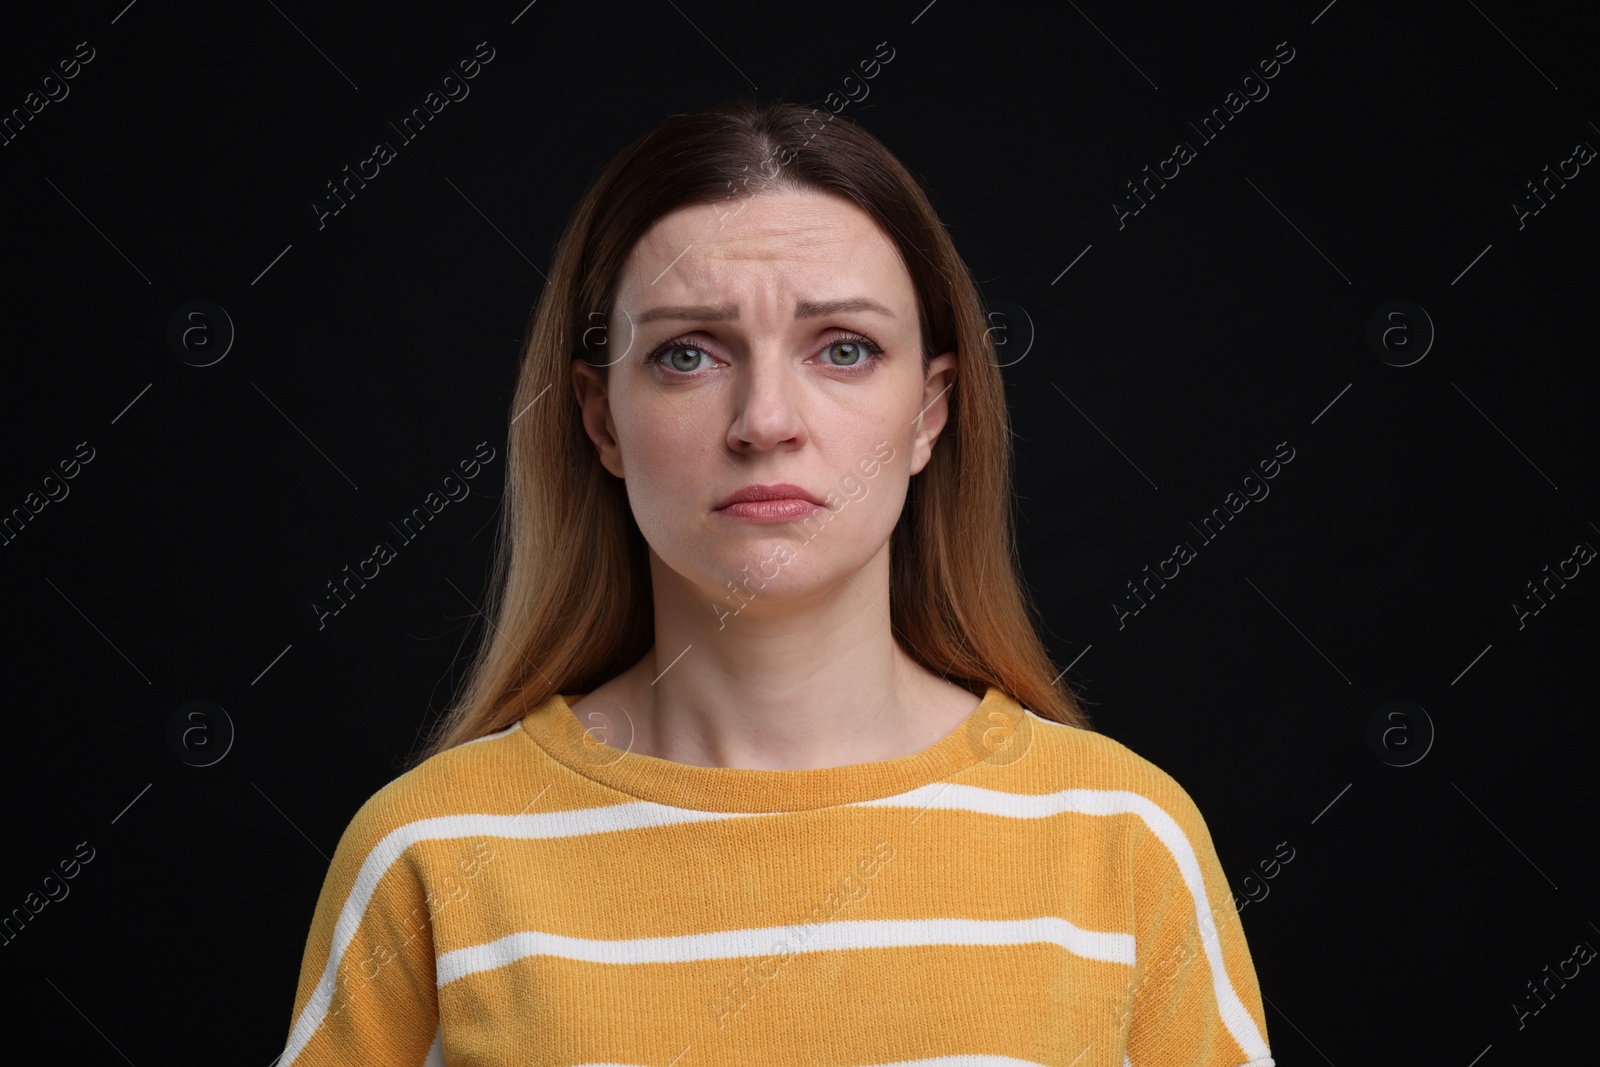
x=684 y=352
x=853 y=351
x=846 y=354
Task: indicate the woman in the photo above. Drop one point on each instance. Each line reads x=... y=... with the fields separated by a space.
x=762 y=754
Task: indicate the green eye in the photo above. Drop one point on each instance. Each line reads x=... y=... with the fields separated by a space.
x=857 y=354
x=850 y=350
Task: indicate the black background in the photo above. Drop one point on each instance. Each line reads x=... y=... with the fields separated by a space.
x=1179 y=349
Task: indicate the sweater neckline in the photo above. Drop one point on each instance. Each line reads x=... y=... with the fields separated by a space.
x=586 y=750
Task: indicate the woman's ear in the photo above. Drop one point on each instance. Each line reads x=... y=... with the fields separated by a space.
x=935 y=405
x=595 y=408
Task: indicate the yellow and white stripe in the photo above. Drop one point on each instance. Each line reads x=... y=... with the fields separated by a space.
x=1044 y=887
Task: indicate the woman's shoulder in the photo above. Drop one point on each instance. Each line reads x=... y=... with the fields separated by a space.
x=1085 y=774
x=479 y=777
x=1089 y=762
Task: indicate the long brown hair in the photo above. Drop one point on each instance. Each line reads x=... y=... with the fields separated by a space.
x=571 y=604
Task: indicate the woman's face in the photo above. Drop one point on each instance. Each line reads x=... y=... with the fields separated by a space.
x=771 y=340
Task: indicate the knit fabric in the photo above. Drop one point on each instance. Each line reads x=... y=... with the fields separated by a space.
x=1021 y=892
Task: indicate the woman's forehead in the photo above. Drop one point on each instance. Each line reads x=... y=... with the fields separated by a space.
x=775 y=242
x=773 y=224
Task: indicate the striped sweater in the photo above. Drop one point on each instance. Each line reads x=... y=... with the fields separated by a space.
x=1021 y=892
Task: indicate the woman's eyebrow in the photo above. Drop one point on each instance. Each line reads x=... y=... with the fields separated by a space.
x=805 y=309
x=703 y=312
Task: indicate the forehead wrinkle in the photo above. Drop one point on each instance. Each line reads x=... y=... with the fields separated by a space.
x=757 y=244
x=699 y=258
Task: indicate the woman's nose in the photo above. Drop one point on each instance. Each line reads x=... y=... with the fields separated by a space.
x=766 y=396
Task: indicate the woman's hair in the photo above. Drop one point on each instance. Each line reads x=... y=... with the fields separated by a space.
x=571 y=603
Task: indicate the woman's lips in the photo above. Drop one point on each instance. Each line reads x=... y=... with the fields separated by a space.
x=785 y=510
